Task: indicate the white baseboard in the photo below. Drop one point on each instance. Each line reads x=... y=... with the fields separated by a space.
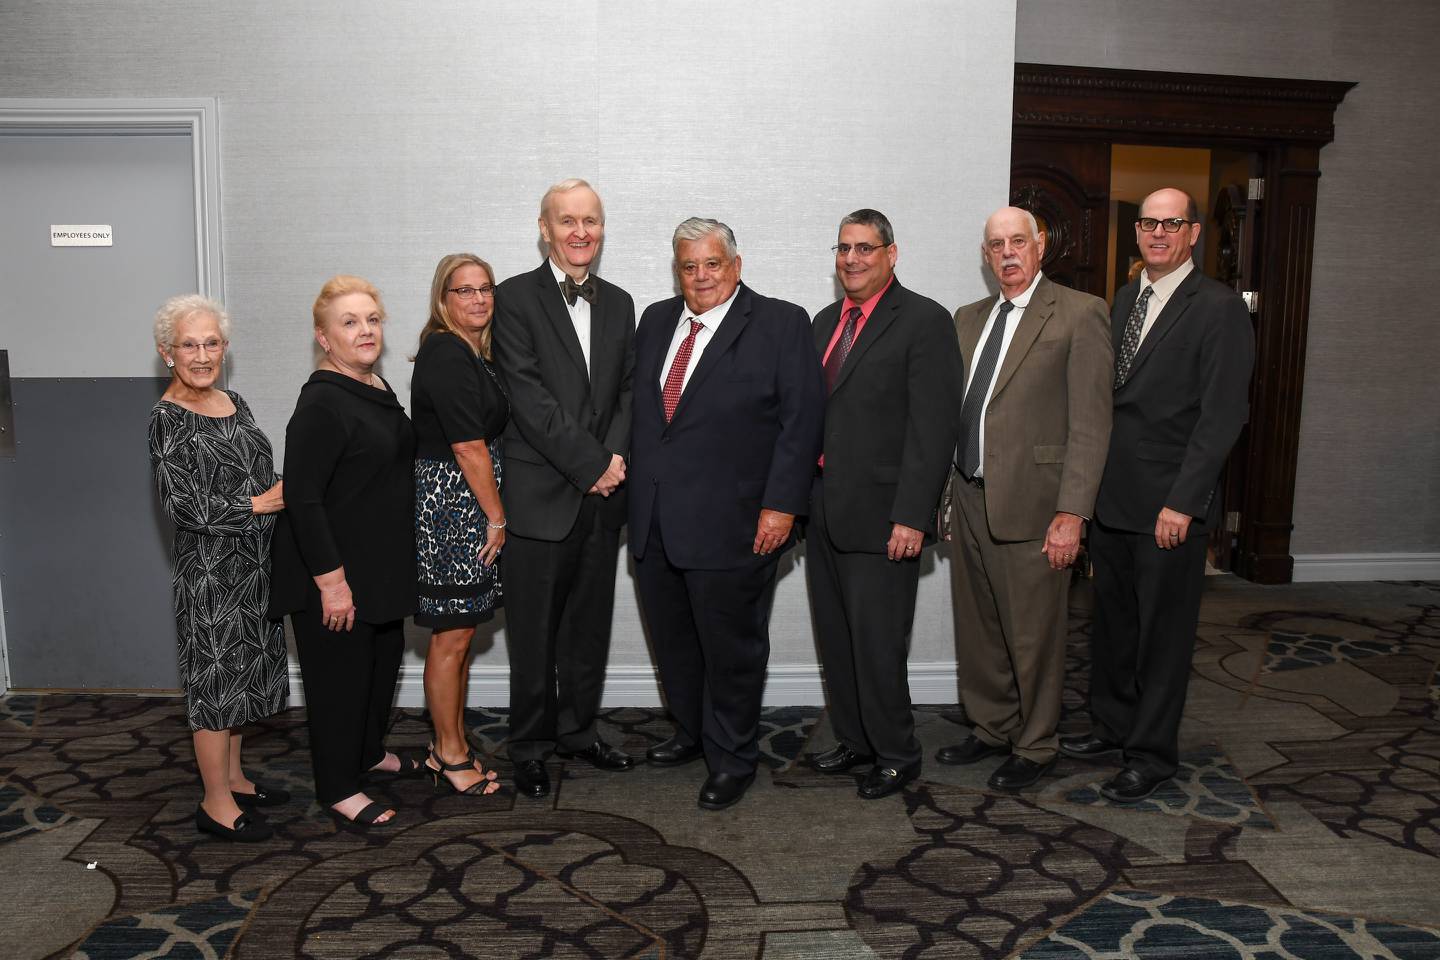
x=1319 y=567
x=636 y=686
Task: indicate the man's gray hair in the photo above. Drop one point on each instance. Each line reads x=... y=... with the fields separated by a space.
x=176 y=309
x=865 y=217
x=698 y=228
x=565 y=186
x=1029 y=218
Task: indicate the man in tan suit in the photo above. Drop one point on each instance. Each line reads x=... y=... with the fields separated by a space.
x=1034 y=429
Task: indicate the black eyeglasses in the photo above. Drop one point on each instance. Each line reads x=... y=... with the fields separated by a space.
x=1173 y=225
x=864 y=249
x=470 y=293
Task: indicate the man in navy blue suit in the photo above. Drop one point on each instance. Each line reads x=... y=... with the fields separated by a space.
x=729 y=406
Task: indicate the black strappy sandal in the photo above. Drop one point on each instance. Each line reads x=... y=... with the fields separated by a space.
x=480 y=788
x=369 y=815
x=412 y=764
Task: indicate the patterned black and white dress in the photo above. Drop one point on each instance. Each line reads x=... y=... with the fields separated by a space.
x=233 y=664
x=455 y=397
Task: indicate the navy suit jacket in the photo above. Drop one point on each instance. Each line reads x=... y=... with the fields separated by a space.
x=745 y=436
x=1180 y=411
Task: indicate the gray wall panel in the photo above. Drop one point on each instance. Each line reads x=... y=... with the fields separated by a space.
x=85 y=548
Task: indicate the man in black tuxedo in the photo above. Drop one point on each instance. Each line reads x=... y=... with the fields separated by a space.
x=564 y=342
x=891 y=423
x=1184 y=349
x=728 y=412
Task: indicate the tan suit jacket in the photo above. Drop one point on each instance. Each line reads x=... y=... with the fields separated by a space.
x=1047 y=427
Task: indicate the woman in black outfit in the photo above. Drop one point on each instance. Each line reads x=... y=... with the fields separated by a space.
x=460 y=411
x=344 y=549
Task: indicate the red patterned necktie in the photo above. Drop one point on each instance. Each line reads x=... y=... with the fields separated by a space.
x=675 y=379
x=841 y=350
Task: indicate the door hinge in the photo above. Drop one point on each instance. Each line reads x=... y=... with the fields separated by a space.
x=1232 y=521
x=1257 y=189
x=1252 y=300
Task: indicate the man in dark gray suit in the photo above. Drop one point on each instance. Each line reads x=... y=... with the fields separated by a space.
x=1184 y=349
x=565 y=343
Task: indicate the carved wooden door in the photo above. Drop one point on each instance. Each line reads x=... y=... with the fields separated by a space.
x=1066 y=185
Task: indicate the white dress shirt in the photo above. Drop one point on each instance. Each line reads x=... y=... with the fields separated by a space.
x=710 y=321
x=1164 y=288
x=579 y=314
x=1011 y=323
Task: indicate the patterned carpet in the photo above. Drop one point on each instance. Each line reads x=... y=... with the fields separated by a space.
x=1305 y=824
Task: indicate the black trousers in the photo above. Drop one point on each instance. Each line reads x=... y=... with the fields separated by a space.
x=710 y=630
x=349 y=681
x=1147 y=607
x=864 y=607
x=559 y=597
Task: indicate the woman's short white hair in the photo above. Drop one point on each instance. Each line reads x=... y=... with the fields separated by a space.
x=172 y=311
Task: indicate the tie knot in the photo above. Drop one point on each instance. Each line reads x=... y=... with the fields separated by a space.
x=853 y=315
x=695 y=327
x=1005 y=307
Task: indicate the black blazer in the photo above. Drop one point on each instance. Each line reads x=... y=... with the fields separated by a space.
x=1179 y=413
x=892 y=421
x=349 y=500
x=745 y=436
x=565 y=422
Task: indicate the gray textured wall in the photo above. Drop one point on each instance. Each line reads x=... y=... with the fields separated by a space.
x=374 y=137
x=1370 y=430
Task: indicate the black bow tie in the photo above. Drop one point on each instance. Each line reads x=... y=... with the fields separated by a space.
x=571 y=290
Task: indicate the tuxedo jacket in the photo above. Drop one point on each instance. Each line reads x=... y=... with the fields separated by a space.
x=1180 y=411
x=745 y=435
x=565 y=422
x=891 y=421
x=1048 y=421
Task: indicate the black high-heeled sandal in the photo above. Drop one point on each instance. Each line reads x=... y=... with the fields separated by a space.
x=480 y=788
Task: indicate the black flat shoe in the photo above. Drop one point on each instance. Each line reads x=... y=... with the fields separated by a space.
x=969 y=750
x=883 y=781
x=262 y=797
x=1017 y=773
x=838 y=760
x=723 y=790
x=531 y=779
x=1087 y=747
x=1129 y=785
x=599 y=755
x=247 y=829
x=673 y=752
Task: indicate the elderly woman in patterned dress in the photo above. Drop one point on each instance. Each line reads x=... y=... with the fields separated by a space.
x=217 y=483
x=459 y=410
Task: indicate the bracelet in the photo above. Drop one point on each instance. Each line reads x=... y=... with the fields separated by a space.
x=496 y=526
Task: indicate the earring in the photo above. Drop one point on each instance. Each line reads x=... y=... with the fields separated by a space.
x=169 y=362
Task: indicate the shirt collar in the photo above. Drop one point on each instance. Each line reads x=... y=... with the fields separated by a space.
x=711 y=318
x=1166 y=285
x=560 y=275
x=1023 y=300
x=868 y=306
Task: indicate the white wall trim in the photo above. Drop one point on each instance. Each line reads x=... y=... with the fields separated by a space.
x=1320 y=567
x=197 y=116
x=636 y=686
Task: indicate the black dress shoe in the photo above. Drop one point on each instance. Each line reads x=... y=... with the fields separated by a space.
x=247 y=829
x=531 y=778
x=883 y=781
x=262 y=797
x=1017 y=772
x=1130 y=785
x=838 y=760
x=969 y=750
x=599 y=755
x=673 y=752
x=722 y=790
x=1087 y=747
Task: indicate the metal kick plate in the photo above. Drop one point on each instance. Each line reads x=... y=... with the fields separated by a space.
x=7 y=408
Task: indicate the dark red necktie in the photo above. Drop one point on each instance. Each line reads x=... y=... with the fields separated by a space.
x=675 y=379
x=836 y=360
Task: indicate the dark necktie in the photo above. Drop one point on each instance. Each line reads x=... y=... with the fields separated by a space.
x=1130 y=340
x=571 y=290
x=675 y=379
x=973 y=407
x=836 y=360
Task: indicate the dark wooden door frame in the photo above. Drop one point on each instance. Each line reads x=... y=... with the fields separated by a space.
x=1286 y=122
